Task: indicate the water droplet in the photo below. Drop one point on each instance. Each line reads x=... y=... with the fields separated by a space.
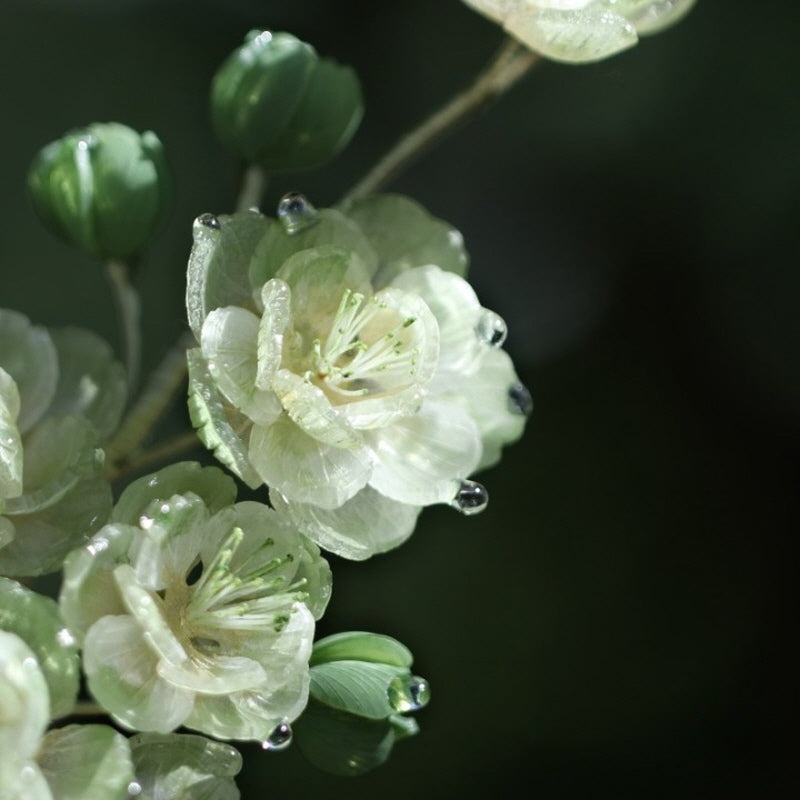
x=134 y=789
x=208 y=221
x=491 y=328
x=471 y=498
x=279 y=739
x=296 y=213
x=145 y=522
x=27 y=773
x=30 y=664
x=99 y=458
x=520 y=400
x=409 y=693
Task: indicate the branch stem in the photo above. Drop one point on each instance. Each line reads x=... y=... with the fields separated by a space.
x=509 y=64
x=254 y=183
x=126 y=300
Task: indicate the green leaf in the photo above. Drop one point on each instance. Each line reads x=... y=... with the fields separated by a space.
x=86 y=762
x=341 y=743
x=211 y=484
x=91 y=382
x=405 y=235
x=361 y=646
x=217 y=275
x=357 y=687
x=184 y=767
x=37 y=621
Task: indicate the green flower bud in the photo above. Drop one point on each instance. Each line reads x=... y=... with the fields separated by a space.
x=104 y=188
x=276 y=103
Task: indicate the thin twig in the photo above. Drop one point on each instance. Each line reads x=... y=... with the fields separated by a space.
x=178 y=444
x=164 y=381
x=254 y=183
x=126 y=300
x=508 y=65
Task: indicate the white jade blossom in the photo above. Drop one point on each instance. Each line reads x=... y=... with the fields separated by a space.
x=577 y=31
x=365 y=404
x=198 y=619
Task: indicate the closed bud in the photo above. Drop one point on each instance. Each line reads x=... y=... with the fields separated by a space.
x=277 y=104
x=103 y=188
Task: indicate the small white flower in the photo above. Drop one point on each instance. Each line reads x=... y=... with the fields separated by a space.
x=197 y=618
x=579 y=31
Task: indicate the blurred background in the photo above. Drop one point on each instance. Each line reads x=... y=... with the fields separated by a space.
x=617 y=622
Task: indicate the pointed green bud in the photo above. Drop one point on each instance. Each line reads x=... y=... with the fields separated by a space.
x=103 y=188
x=276 y=103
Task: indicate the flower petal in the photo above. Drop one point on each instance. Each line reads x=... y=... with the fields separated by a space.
x=303 y=468
x=367 y=524
x=229 y=341
x=121 y=669
x=419 y=459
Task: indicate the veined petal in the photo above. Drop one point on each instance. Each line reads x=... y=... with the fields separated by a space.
x=276 y=299
x=579 y=36
x=367 y=524
x=214 y=675
x=145 y=607
x=311 y=410
x=10 y=439
x=170 y=540
x=214 y=423
x=121 y=668
x=305 y=469
x=88 y=588
x=229 y=341
x=485 y=396
x=419 y=459
x=457 y=310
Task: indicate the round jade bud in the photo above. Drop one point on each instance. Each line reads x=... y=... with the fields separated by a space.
x=104 y=188
x=277 y=104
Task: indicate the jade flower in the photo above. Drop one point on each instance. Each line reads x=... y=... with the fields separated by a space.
x=195 y=612
x=580 y=31
x=36 y=764
x=61 y=395
x=346 y=363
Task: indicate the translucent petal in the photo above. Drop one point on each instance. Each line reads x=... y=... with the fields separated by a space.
x=456 y=308
x=88 y=589
x=147 y=609
x=572 y=36
x=10 y=440
x=28 y=355
x=91 y=382
x=309 y=408
x=494 y=9
x=331 y=228
x=304 y=469
x=229 y=341
x=276 y=300
x=485 y=395
x=317 y=278
x=405 y=236
x=650 y=16
x=212 y=422
x=365 y=525
x=218 y=264
x=43 y=539
x=121 y=669
x=184 y=767
x=37 y=621
x=219 y=675
x=216 y=489
x=419 y=459
x=24 y=706
x=59 y=452
x=87 y=762
x=171 y=540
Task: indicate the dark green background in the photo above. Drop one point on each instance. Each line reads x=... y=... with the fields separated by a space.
x=617 y=622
